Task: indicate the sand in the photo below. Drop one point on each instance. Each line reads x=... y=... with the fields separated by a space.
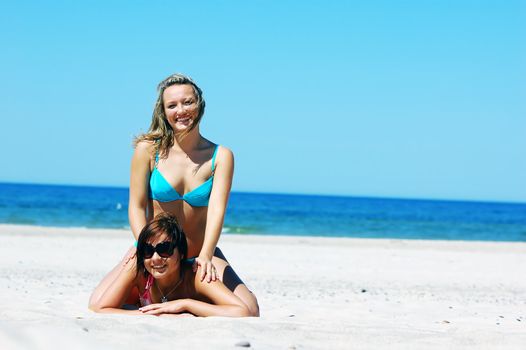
x=314 y=293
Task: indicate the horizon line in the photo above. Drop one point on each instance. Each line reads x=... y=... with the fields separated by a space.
x=291 y=193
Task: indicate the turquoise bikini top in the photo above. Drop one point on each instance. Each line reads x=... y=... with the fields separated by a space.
x=162 y=191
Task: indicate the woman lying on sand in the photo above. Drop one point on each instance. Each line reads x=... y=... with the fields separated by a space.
x=157 y=280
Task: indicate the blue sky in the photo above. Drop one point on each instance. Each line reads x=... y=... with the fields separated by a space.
x=417 y=99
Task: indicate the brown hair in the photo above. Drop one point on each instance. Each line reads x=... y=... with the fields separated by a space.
x=162 y=224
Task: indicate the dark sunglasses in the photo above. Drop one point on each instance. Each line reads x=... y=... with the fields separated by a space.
x=164 y=249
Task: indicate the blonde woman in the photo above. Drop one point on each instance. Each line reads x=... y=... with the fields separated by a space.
x=176 y=170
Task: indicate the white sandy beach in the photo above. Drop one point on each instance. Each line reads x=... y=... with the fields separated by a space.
x=314 y=293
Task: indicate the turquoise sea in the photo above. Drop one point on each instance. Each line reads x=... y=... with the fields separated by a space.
x=280 y=214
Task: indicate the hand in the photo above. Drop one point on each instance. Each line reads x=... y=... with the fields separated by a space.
x=170 y=307
x=208 y=269
x=130 y=254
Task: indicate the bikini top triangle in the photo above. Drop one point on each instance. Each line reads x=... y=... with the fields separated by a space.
x=146 y=297
x=162 y=191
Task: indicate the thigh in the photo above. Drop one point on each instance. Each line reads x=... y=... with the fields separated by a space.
x=233 y=282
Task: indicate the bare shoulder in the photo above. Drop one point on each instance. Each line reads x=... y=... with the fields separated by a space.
x=214 y=292
x=144 y=149
x=224 y=154
x=145 y=146
x=200 y=286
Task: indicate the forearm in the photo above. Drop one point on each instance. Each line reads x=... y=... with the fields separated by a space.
x=137 y=219
x=201 y=308
x=218 y=201
x=213 y=230
x=112 y=310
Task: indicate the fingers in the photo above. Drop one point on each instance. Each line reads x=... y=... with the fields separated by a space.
x=152 y=309
x=213 y=275
x=203 y=268
x=132 y=252
x=154 y=312
x=157 y=309
x=211 y=272
x=208 y=270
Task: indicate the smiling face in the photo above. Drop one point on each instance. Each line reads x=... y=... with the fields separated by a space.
x=180 y=106
x=160 y=267
x=164 y=228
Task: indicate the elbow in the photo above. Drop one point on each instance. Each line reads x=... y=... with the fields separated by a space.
x=216 y=211
x=245 y=313
x=95 y=308
x=135 y=211
x=95 y=305
x=232 y=310
x=242 y=311
x=100 y=309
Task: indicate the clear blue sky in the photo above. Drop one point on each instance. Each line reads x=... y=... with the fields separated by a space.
x=418 y=99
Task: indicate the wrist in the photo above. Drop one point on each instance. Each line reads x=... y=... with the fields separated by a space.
x=206 y=255
x=184 y=305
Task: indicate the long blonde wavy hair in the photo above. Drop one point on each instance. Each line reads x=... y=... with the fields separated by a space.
x=160 y=131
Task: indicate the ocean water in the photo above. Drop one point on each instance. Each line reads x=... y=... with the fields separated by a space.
x=279 y=214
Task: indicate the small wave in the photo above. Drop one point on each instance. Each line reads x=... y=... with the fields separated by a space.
x=239 y=230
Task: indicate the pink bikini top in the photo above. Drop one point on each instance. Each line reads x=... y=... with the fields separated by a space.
x=146 y=297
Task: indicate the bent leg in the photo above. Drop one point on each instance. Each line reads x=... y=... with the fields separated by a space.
x=232 y=281
x=109 y=279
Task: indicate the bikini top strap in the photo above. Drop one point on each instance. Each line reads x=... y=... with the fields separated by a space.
x=214 y=159
x=156 y=159
x=149 y=282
